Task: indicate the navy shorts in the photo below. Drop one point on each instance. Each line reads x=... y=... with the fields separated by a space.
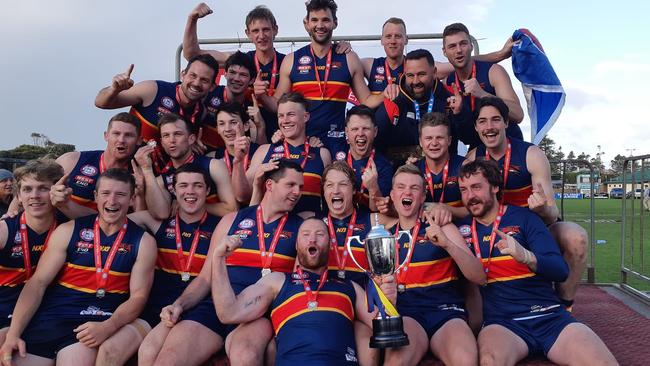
x=46 y=339
x=151 y=315
x=205 y=314
x=5 y=322
x=433 y=319
x=539 y=332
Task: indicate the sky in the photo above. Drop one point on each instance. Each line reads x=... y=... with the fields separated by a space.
x=56 y=56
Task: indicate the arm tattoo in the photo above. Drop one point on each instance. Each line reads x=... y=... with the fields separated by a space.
x=253 y=301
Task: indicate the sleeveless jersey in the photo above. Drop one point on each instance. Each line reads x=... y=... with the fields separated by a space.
x=384 y=175
x=377 y=80
x=513 y=290
x=73 y=294
x=324 y=336
x=431 y=278
x=245 y=264
x=83 y=178
x=167 y=283
x=12 y=265
x=362 y=227
x=212 y=102
x=310 y=200
x=327 y=102
x=467 y=133
x=270 y=118
x=519 y=185
x=452 y=190
x=218 y=153
x=164 y=102
x=204 y=163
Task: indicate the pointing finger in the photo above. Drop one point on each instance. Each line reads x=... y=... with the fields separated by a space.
x=130 y=70
x=63 y=179
x=502 y=234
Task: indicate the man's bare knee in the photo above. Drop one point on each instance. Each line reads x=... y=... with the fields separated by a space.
x=147 y=353
x=242 y=353
x=110 y=353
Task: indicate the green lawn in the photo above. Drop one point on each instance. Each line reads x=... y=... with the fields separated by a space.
x=608 y=225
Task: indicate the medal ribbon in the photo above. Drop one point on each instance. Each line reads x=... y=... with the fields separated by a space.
x=226 y=159
x=493 y=236
x=401 y=275
x=180 y=106
x=506 y=166
x=389 y=76
x=370 y=160
x=266 y=262
x=312 y=296
x=170 y=164
x=322 y=86
x=101 y=274
x=472 y=100
x=287 y=153
x=186 y=262
x=24 y=241
x=274 y=71
x=445 y=173
x=334 y=245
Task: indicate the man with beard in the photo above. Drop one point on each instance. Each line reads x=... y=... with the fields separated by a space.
x=440 y=169
x=99 y=270
x=151 y=99
x=527 y=183
x=420 y=93
x=430 y=297
x=477 y=79
x=268 y=234
x=522 y=314
x=24 y=237
x=323 y=77
x=75 y=196
x=312 y=313
x=6 y=190
x=372 y=170
x=177 y=137
x=292 y=118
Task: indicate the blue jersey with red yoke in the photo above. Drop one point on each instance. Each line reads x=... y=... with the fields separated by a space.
x=83 y=178
x=12 y=264
x=204 y=163
x=519 y=185
x=212 y=101
x=467 y=133
x=327 y=100
x=245 y=263
x=451 y=188
x=167 y=283
x=163 y=103
x=266 y=74
x=323 y=336
x=430 y=280
x=513 y=290
x=378 y=78
x=310 y=200
x=361 y=228
x=384 y=174
x=72 y=295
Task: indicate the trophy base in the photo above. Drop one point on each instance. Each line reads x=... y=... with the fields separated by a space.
x=388 y=333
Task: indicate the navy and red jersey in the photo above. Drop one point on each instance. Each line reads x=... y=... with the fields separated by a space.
x=212 y=101
x=467 y=133
x=520 y=184
x=431 y=279
x=83 y=178
x=513 y=290
x=167 y=283
x=327 y=100
x=377 y=80
x=398 y=123
x=204 y=163
x=218 y=153
x=12 y=264
x=322 y=336
x=451 y=189
x=164 y=102
x=266 y=74
x=362 y=226
x=245 y=263
x=72 y=295
x=384 y=174
x=310 y=200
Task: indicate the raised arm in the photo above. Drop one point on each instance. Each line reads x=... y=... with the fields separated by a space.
x=227 y=202
x=284 y=85
x=359 y=86
x=191 y=46
x=60 y=193
x=542 y=200
x=159 y=201
x=445 y=68
x=123 y=93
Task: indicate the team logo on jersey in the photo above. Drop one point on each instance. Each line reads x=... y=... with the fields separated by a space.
x=167 y=102
x=304 y=60
x=87 y=234
x=215 y=102
x=421 y=240
x=204 y=235
x=516 y=169
x=340 y=155
x=452 y=180
x=246 y=223
x=18 y=239
x=279 y=148
x=89 y=170
x=380 y=70
x=465 y=230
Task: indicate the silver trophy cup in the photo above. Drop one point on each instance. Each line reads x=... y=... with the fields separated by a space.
x=381 y=251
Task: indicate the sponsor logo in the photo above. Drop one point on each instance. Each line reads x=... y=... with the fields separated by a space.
x=341 y=155
x=167 y=102
x=336 y=134
x=124 y=249
x=359 y=227
x=286 y=235
x=246 y=223
x=410 y=115
x=337 y=65
x=170 y=233
x=87 y=234
x=16 y=251
x=215 y=102
x=511 y=230
x=89 y=170
x=204 y=235
x=465 y=230
x=351 y=355
x=244 y=233
x=83 y=181
x=83 y=247
x=304 y=60
x=95 y=311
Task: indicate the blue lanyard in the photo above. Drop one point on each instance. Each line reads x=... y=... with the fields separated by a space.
x=416 y=105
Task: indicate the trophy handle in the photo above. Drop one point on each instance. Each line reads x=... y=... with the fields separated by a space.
x=348 y=247
x=410 y=251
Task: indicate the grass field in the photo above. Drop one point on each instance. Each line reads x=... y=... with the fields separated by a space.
x=608 y=216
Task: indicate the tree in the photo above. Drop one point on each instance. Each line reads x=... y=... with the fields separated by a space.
x=554 y=156
x=616 y=165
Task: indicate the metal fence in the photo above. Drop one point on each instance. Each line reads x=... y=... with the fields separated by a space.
x=635 y=277
x=300 y=40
